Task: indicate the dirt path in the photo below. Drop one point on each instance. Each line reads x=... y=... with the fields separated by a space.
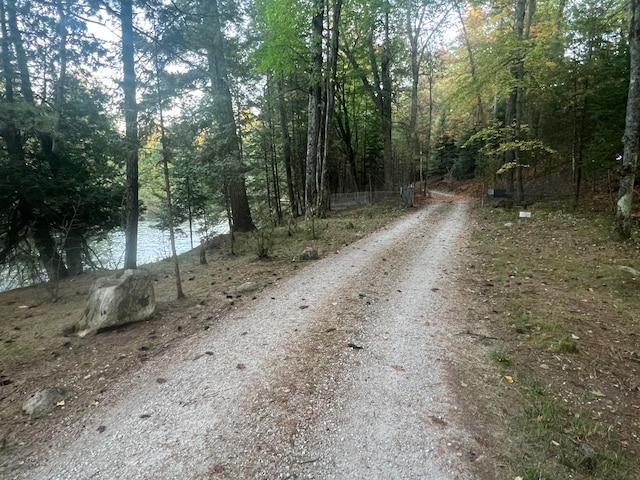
x=338 y=372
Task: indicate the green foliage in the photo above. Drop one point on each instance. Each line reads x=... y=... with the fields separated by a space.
x=283 y=26
x=444 y=156
x=499 y=356
x=77 y=187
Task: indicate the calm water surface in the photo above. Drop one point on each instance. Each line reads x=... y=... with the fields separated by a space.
x=153 y=246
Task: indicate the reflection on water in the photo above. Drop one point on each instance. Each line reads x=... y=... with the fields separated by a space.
x=153 y=245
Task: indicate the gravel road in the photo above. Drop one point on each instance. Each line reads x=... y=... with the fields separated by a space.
x=337 y=372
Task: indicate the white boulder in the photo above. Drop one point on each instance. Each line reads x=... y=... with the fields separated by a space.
x=118 y=300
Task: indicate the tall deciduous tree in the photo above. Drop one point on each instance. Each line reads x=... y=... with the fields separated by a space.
x=425 y=23
x=374 y=33
x=524 y=10
x=632 y=127
x=330 y=94
x=314 y=125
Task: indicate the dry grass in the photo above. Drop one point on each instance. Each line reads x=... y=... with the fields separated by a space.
x=567 y=341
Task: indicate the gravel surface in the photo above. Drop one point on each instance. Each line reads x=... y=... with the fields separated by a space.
x=337 y=372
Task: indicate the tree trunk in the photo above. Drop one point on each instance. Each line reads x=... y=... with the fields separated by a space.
x=49 y=255
x=273 y=160
x=386 y=110
x=237 y=192
x=21 y=56
x=415 y=61
x=131 y=136
x=514 y=109
x=315 y=112
x=40 y=228
x=427 y=141
x=286 y=147
x=631 y=128
x=62 y=76
x=227 y=140
x=472 y=64
x=331 y=80
x=344 y=129
x=166 y=155
x=380 y=90
x=172 y=234
x=73 y=248
x=7 y=68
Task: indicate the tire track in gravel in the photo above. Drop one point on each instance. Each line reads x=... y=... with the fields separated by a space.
x=274 y=391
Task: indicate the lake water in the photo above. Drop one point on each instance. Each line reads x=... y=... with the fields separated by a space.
x=153 y=246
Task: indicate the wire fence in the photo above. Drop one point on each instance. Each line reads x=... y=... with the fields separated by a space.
x=339 y=201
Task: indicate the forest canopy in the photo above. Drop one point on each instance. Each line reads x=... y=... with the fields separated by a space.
x=262 y=109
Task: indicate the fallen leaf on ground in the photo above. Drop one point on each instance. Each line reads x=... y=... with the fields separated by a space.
x=508 y=378
x=241 y=366
x=217 y=468
x=437 y=420
x=597 y=393
x=399 y=368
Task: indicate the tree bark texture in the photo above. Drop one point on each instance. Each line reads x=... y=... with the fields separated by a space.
x=166 y=156
x=514 y=109
x=416 y=60
x=315 y=111
x=287 y=152
x=227 y=141
x=386 y=106
x=73 y=250
x=49 y=255
x=331 y=80
x=472 y=63
x=131 y=136
x=631 y=128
